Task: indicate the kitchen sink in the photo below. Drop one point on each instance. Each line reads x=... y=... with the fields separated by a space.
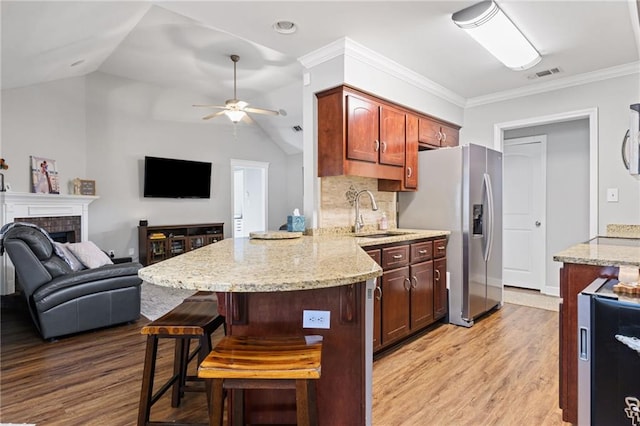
x=382 y=234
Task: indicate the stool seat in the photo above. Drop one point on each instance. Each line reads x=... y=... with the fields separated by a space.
x=269 y=362
x=185 y=322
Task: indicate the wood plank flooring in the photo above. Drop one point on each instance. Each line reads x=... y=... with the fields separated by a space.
x=502 y=371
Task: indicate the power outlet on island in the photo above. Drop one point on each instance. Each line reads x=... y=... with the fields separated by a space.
x=316 y=319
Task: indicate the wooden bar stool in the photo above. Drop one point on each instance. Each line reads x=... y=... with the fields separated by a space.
x=243 y=362
x=185 y=322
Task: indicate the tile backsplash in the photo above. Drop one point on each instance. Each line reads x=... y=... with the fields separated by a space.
x=336 y=202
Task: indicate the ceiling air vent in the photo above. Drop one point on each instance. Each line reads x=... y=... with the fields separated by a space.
x=544 y=73
x=297 y=128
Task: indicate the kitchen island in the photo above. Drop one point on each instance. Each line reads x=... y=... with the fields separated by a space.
x=268 y=285
x=583 y=263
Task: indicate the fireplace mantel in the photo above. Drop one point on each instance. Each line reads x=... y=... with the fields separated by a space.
x=24 y=205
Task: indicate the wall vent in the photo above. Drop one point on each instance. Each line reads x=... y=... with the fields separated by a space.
x=544 y=73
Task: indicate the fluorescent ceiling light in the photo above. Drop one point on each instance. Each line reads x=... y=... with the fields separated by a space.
x=490 y=27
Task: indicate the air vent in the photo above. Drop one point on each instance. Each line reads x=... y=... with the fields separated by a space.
x=297 y=128
x=544 y=73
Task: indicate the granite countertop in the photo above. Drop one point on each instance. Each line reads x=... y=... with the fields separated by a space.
x=603 y=251
x=251 y=265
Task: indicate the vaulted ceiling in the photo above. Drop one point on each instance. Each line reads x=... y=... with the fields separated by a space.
x=186 y=45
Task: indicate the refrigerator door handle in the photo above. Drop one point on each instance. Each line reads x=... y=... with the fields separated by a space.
x=489 y=193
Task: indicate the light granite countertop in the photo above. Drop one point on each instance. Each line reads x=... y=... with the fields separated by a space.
x=252 y=265
x=603 y=251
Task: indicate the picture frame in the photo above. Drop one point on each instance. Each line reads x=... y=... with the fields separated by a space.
x=87 y=187
x=44 y=176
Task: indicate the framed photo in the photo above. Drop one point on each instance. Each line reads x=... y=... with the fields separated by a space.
x=44 y=176
x=87 y=187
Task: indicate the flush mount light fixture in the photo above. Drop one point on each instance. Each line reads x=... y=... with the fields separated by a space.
x=285 y=27
x=490 y=27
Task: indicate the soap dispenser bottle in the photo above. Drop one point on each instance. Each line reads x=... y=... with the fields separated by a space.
x=384 y=223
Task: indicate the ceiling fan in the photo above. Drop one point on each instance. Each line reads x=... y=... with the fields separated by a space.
x=234 y=108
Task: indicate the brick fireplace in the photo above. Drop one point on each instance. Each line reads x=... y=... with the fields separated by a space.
x=66 y=216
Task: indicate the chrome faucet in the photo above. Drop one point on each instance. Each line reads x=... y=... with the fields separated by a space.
x=357 y=227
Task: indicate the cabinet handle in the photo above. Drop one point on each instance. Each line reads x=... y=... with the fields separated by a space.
x=384 y=146
x=444 y=137
x=414 y=279
x=409 y=171
x=438 y=135
x=379 y=289
x=407 y=280
x=437 y=271
x=397 y=256
x=422 y=251
x=377 y=145
x=440 y=247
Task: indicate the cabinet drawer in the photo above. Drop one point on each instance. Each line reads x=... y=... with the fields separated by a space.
x=421 y=251
x=375 y=255
x=393 y=257
x=440 y=248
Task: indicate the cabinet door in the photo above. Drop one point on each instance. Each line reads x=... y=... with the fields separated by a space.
x=395 y=304
x=411 y=153
x=377 y=298
x=440 y=288
x=157 y=250
x=422 y=305
x=177 y=245
x=392 y=136
x=450 y=136
x=429 y=132
x=362 y=129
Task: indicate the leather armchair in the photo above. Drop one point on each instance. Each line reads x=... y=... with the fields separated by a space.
x=62 y=301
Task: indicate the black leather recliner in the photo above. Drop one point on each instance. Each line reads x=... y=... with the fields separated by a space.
x=62 y=301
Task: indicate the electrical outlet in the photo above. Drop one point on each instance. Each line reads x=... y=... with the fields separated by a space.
x=316 y=319
x=130 y=252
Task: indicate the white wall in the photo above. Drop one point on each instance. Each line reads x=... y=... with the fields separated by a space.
x=612 y=97
x=567 y=195
x=101 y=127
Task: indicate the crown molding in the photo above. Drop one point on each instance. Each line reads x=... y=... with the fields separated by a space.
x=350 y=48
x=560 y=83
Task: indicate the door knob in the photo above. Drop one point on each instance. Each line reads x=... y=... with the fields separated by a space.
x=538 y=224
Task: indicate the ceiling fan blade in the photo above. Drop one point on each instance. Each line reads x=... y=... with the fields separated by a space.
x=215 y=114
x=261 y=111
x=247 y=119
x=209 y=106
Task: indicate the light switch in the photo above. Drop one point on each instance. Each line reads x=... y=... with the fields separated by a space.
x=612 y=195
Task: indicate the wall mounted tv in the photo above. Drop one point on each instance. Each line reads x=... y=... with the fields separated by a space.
x=173 y=178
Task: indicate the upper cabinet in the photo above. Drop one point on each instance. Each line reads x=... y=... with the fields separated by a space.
x=435 y=134
x=362 y=135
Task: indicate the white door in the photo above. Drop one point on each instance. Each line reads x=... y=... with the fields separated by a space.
x=249 y=197
x=524 y=208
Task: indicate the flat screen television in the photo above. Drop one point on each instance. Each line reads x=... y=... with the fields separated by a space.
x=173 y=178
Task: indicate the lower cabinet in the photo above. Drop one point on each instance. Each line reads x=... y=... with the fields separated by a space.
x=411 y=294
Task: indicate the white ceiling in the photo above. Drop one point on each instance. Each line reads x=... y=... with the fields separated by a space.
x=186 y=45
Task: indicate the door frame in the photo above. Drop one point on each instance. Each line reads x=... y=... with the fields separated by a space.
x=248 y=164
x=542 y=140
x=592 y=115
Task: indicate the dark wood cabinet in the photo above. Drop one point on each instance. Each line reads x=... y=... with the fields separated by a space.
x=362 y=129
x=436 y=134
x=157 y=243
x=573 y=279
x=410 y=179
x=392 y=136
x=408 y=298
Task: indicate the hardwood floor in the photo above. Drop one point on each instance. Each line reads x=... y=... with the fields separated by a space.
x=502 y=371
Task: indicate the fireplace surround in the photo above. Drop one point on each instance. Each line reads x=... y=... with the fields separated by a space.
x=68 y=214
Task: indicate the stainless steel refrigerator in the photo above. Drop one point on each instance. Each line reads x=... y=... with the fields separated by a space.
x=460 y=190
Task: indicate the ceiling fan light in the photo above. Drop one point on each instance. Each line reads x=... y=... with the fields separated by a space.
x=490 y=27
x=235 y=116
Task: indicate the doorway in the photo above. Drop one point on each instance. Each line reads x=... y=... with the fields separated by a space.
x=524 y=212
x=572 y=180
x=249 y=197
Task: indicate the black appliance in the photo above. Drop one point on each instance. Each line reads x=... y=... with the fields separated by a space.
x=608 y=356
